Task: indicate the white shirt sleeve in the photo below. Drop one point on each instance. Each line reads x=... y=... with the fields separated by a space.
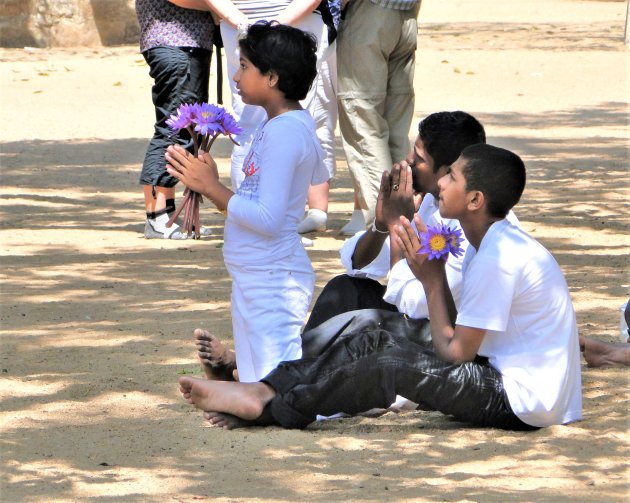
x=280 y=153
x=406 y=292
x=376 y=270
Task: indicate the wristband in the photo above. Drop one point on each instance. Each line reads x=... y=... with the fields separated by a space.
x=376 y=229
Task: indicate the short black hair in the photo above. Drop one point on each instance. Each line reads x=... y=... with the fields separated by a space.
x=446 y=134
x=287 y=51
x=496 y=172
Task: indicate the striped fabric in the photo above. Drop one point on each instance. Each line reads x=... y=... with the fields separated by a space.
x=261 y=9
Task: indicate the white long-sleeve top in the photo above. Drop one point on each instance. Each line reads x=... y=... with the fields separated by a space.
x=284 y=160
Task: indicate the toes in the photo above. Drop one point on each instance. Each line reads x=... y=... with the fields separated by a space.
x=204 y=347
x=204 y=335
x=213 y=417
x=218 y=420
x=208 y=357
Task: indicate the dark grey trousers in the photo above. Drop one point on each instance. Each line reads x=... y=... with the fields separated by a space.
x=370 y=356
x=180 y=75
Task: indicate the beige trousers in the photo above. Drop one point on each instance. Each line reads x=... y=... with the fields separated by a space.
x=376 y=59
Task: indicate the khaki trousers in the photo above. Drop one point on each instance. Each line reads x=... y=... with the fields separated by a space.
x=376 y=59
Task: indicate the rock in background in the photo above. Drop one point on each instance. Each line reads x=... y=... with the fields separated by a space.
x=67 y=23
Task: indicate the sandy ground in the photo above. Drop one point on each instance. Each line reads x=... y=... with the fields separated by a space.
x=97 y=321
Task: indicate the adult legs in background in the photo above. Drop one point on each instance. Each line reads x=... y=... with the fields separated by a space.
x=180 y=75
x=322 y=104
x=376 y=58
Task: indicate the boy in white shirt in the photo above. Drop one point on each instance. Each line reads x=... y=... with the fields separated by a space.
x=508 y=359
x=369 y=257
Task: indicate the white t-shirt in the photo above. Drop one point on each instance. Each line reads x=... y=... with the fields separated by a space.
x=403 y=289
x=262 y=217
x=513 y=288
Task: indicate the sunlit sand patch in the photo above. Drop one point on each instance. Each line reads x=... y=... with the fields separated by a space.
x=598 y=240
x=15 y=387
x=84 y=409
x=42 y=241
x=348 y=443
x=73 y=337
x=113 y=480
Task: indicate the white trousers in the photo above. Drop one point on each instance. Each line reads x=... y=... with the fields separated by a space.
x=268 y=312
x=321 y=100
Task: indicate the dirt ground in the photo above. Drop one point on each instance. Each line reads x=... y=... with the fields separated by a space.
x=97 y=321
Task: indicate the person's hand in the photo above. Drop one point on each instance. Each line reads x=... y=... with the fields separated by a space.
x=198 y=174
x=395 y=196
x=424 y=269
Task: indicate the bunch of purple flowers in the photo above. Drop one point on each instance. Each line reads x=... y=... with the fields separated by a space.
x=440 y=240
x=205 y=123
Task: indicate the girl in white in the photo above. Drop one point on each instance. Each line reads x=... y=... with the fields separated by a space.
x=320 y=101
x=272 y=277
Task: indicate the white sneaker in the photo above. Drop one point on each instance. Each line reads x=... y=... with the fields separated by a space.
x=356 y=224
x=315 y=220
x=306 y=242
x=155 y=228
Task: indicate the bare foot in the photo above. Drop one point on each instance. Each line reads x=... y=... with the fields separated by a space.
x=226 y=421
x=243 y=400
x=217 y=361
x=600 y=354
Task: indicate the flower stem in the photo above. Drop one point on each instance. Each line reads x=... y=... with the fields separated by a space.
x=187 y=223
x=210 y=141
x=179 y=210
x=195 y=140
x=196 y=218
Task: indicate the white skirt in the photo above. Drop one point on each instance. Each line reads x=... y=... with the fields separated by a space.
x=269 y=308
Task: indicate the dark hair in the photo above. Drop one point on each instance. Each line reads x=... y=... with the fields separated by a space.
x=287 y=51
x=446 y=134
x=498 y=173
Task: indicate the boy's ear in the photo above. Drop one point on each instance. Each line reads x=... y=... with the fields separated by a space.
x=476 y=200
x=273 y=78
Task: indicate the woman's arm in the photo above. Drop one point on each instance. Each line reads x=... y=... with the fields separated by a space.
x=191 y=4
x=224 y=9
x=296 y=11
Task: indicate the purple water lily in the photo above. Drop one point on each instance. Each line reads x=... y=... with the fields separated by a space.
x=229 y=124
x=440 y=240
x=455 y=239
x=208 y=119
x=205 y=123
x=183 y=118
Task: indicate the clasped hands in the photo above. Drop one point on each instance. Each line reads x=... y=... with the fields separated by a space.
x=199 y=174
x=397 y=204
x=395 y=197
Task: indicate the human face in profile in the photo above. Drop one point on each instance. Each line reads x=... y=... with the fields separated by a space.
x=252 y=85
x=452 y=196
x=422 y=164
